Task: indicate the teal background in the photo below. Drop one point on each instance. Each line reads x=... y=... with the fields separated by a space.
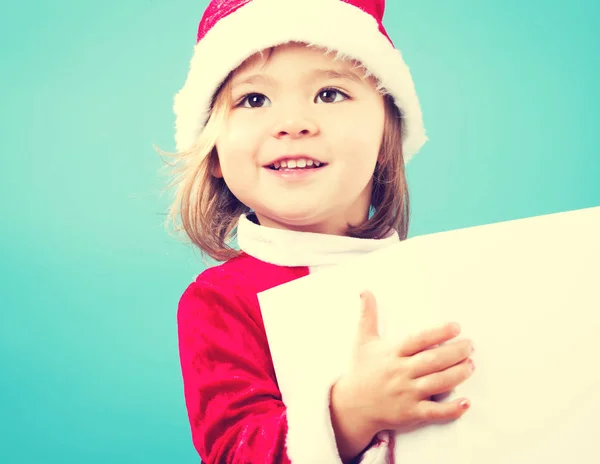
x=90 y=279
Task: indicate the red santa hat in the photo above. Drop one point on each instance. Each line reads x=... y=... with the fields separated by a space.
x=233 y=30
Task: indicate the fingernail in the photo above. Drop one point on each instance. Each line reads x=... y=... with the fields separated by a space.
x=362 y=295
x=471 y=365
x=464 y=404
x=455 y=328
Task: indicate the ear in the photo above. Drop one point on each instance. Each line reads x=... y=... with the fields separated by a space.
x=216 y=170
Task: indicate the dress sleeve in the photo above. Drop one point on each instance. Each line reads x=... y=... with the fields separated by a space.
x=381 y=450
x=234 y=405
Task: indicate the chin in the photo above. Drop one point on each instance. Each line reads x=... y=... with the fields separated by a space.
x=308 y=220
x=294 y=216
x=297 y=218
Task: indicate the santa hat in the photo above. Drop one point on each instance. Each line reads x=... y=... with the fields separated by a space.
x=233 y=30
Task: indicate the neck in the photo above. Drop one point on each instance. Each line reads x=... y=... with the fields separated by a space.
x=332 y=227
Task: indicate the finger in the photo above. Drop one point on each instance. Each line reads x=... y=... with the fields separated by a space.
x=424 y=340
x=441 y=396
x=444 y=381
x=434 y=360
x=368 y=325
x=430 y=411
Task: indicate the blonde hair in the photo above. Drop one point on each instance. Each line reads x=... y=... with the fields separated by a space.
x=206 y=210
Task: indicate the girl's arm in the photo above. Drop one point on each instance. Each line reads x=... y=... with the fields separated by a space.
x=234 y=405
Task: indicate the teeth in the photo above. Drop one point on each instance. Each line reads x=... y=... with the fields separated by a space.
x=293 y=164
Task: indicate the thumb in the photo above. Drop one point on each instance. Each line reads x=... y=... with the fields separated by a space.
x=368 y=328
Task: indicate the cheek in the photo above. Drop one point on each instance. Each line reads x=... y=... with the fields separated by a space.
x=237 y=145
x=374 y=124
x=241 y=128
x=361 y=136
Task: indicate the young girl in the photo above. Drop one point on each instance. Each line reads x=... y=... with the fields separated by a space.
x=293 y=129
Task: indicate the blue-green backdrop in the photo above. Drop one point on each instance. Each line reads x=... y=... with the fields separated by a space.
x=90 y=279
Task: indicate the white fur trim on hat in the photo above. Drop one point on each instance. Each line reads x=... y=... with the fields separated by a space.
x=261 y=24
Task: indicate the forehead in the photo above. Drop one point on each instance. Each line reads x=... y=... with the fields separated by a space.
x=296 y=53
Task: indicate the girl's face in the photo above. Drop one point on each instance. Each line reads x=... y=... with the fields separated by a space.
x=302 y=107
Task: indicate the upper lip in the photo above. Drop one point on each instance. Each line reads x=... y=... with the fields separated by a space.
x=292 y=157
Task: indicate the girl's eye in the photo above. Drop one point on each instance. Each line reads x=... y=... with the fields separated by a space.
x=255 y=100
x=331 y=96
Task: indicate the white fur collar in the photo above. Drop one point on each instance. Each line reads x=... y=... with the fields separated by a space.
x=292 y=248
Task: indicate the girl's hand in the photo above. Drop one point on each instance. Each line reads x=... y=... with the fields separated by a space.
x=390 y=388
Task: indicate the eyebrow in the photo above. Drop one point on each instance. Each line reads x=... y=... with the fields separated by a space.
x=316 y=74
x=340 y=74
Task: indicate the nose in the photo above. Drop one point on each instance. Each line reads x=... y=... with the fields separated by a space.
x=295 y=127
